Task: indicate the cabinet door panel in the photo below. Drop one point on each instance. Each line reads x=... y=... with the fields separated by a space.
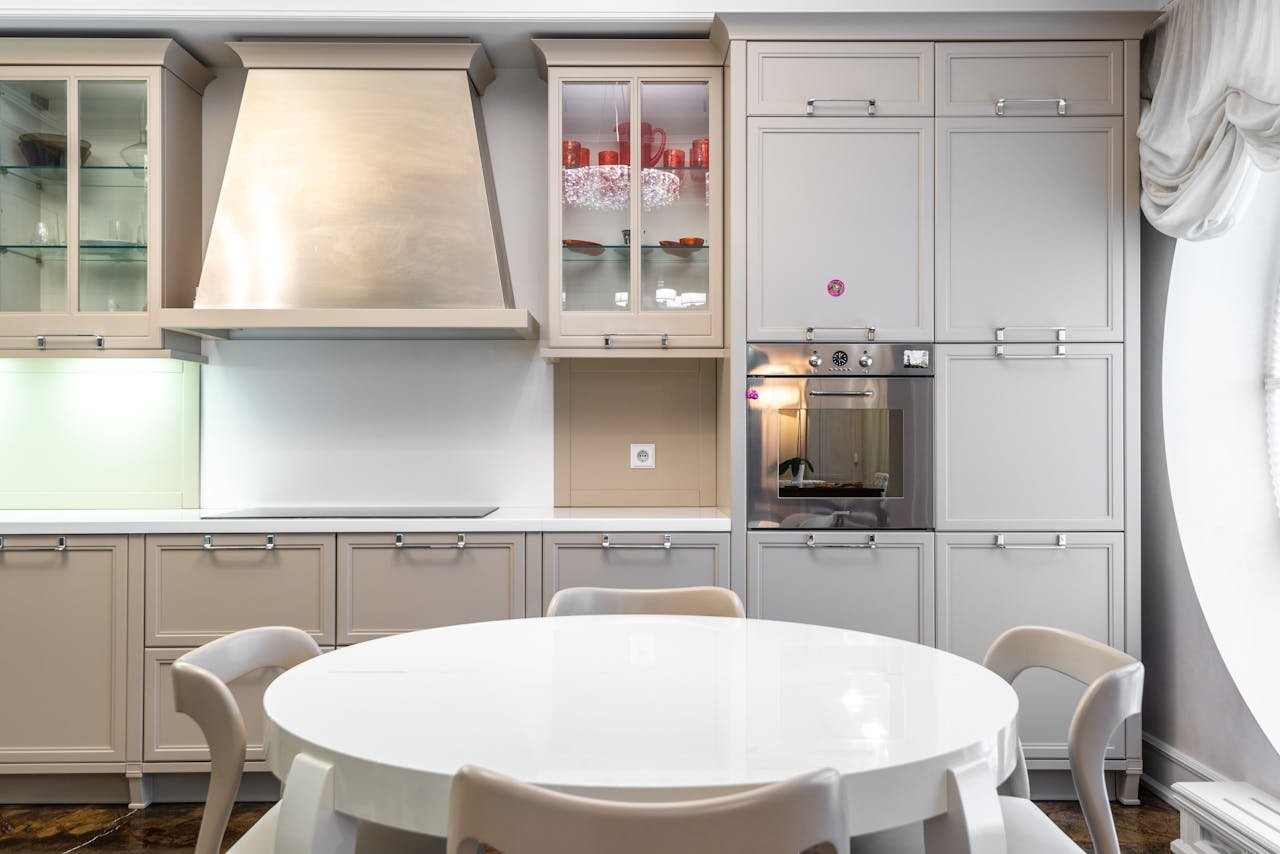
x=1030 y=76
x=196 y=594
x=839 y=582
x=63 y=624
x=784 y=76
x=1030 y=230
x=840 y=221
x=579 y=560
x=383 y=590
x=984 y=591
x=1031 y=440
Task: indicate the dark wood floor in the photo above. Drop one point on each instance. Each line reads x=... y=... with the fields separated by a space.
x=172 y=828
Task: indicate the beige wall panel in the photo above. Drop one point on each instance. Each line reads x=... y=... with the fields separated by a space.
x=632 y=561
x=195 y=595
x=63 y=633
x=384 y=590
x=181 y=196
x=604 y=406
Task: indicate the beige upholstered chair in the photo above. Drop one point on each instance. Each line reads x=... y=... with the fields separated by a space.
x=694 y=601
x=488 y=809
x=200 y=690
x=1114 y=693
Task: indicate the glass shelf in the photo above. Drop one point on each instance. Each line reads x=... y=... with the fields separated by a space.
x=621 y=252
x=40 y=251
x=123 y=177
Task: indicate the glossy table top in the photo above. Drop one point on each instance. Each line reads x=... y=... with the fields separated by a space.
x=643 y=707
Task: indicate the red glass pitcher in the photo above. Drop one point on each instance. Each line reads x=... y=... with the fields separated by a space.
x=650 y=155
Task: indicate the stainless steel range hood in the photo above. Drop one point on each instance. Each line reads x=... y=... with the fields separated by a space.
x=358 y=199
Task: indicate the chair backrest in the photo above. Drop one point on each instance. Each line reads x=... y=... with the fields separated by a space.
x=693 y=601
x=200 y=690
x=1114 y=693
x=805 y=812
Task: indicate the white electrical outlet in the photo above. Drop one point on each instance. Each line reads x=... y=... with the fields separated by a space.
x=643 y=456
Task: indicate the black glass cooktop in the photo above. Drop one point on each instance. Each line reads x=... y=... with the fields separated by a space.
x=353 y=513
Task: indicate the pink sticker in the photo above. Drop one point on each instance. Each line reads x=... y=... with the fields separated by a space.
x=835 y=287
x=752 y=394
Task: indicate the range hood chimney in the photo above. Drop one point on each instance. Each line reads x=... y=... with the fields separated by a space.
x=358 y=178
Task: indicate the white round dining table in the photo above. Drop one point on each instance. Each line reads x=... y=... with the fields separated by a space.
x=651 y=708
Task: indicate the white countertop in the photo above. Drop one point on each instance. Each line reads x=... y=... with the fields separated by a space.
x=504 y=519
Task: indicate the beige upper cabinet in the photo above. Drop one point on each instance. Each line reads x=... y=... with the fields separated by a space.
x=94 y=235
x=635 y=215
x=1030 y=192
x=840 y=79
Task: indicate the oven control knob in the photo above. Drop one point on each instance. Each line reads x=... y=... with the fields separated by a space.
x=865 y=360
x=815 y=360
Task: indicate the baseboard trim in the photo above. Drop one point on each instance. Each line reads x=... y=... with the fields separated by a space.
x=1163 y=765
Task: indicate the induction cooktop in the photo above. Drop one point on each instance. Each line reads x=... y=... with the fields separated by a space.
x=353 y=513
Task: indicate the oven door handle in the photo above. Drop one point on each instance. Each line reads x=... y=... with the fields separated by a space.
x=867 y=393
x=814 y=544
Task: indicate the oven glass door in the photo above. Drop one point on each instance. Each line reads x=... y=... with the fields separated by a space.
x=841 y=452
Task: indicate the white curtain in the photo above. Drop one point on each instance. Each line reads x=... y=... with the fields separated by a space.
x=1213 y=79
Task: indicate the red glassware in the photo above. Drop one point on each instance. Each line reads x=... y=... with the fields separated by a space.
x=649 y=154
x=674 y=158
x=570 y=152
x=608 y=158
x=700 y=153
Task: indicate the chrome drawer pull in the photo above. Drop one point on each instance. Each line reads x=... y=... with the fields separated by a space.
x=609 y=336
x=42 y=341
x=811 y=102
x=605 y=544
x=1061 y=102
x=268 y=546
x=808 y=332
x=1060 y=352
x=1061 y=544
x=814 y=544
x=867 y=393
x=60 y=547
x=1061 y=331
x=460 y=544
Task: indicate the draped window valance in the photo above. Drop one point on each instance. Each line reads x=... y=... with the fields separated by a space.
x=1212 y=75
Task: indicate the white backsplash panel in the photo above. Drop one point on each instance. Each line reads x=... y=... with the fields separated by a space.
x=376 y=423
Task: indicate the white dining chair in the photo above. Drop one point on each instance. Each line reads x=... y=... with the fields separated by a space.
x=691 y=601
x=488 y=810
x=200 y=679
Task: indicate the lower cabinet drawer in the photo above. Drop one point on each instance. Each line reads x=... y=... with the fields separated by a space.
x=633 y=561
x=170 y=736
x=197 y=591
x=428 y=580
x=878 y=582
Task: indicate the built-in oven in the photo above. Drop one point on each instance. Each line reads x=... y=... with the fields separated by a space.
x=840 y=435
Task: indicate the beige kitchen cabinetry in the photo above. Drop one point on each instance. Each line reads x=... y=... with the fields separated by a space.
x=1030 y=192
x=95 y=237
x=201 y=587
x=1029 y=437
x=64 y=649
x=636 y=225
x=391 y=583
x=879 y=582
x=633 y=560
x=990 y=582
x=839 y=214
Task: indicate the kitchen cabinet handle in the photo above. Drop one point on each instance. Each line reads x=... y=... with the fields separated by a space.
x=1058 y=546
x=814 y=544
x=867 y=393
x=809 y=330
x=42 y=341
x=666 y=544
x=1060 y=331
x=1060 y=352
x=460 y=544
x=268 y=546
x=1061 y=102
x=609 y=336
x=60 y=547
x=810 y=103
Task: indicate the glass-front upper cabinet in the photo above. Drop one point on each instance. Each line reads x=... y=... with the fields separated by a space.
x=82 y=191
x=636 y=207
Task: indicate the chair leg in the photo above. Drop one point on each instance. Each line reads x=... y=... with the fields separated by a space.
x=308 y=822
x=972 y=823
